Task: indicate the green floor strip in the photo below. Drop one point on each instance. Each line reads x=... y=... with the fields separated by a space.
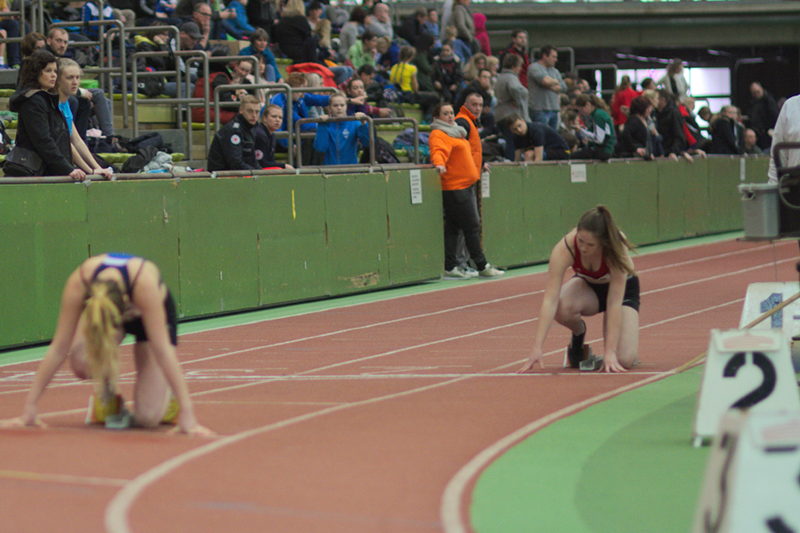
x=624 y=465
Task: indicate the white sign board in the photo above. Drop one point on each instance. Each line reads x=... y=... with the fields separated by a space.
x=577 y=173
x=761 y=297
x=752 y=480
x=744 y=369
x=415 y=183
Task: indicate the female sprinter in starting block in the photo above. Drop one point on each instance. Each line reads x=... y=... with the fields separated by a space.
x=106 y=297
x=604 y=282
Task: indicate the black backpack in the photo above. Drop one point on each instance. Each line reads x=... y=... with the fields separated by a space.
x=384 y=153
x=137 y=162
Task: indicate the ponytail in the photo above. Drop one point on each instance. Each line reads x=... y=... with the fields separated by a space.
x=102 y=317
x=600 y=223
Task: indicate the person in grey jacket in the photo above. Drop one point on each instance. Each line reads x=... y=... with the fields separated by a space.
x=512 y=99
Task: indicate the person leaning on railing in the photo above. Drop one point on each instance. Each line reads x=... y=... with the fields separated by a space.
x=42 y=145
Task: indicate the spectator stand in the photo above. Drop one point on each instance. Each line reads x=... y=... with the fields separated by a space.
x=182 y=102
x=121 y=71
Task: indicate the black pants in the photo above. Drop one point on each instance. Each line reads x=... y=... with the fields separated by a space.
x=461 y=214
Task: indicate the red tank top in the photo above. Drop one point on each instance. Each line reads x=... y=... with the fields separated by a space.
x=601 y=275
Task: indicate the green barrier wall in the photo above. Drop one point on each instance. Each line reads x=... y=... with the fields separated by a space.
x=231 y=244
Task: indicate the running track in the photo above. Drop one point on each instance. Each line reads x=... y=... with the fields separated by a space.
x=370 y=417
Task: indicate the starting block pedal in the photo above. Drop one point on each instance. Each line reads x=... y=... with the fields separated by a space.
x=121 y=420
x=589 y=363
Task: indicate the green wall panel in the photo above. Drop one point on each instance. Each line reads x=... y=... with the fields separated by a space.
x=415 y=230
x=505 y=237
x=357 y=232
x=291 y=236
x=218 y=250
x=154 y=235
x=238 y=243
x=44 y=239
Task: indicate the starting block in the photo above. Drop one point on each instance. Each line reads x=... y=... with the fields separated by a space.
x=590 y=361
x=752 y=479
x=744 y=369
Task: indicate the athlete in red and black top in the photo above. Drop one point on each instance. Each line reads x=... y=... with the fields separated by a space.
x=604 y=282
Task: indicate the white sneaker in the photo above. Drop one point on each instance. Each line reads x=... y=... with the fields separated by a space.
x=491 y=272
x=470 y=272
x=456 y=273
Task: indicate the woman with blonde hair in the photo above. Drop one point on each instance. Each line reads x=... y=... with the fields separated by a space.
x=604 y=282
x=106 y=297
x=474 y=65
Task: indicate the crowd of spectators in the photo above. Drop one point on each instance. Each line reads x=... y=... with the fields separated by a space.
x=532 y=110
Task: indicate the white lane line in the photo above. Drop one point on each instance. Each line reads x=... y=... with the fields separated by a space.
x=116 y=516
x=62 y=478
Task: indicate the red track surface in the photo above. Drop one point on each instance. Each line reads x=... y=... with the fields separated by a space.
x=353 y=419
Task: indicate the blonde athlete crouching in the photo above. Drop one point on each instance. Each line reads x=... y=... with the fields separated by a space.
x=105 y=297
x=604 y=282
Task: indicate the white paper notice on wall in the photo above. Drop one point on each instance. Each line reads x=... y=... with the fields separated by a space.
x=415 y=182
x=577 y=173
x=486 y=184
x=742 y=168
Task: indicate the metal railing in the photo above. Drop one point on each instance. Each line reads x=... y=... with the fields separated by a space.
x=136 y=101
x=602 y=67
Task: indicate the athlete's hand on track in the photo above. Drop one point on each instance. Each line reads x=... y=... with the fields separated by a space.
x=611 y=364
x=535 y=357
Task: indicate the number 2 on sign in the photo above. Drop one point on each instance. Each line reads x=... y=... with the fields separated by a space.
x=766 y=386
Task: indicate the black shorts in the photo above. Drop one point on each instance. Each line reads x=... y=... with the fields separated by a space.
x=630 y=298
x=136 y=328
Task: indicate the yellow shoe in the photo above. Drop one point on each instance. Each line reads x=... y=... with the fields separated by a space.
x=172 y=412
x=99 y=411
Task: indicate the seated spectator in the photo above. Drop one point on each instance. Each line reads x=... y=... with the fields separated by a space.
x=691 y=131
x=189 y=38
x=352 y=30
x=447 y=75
x=750 y=145
x=264 y=134
x=207 y=19
x=9 y=29
x=482 y=83
x=371 y=85
x=422 y=60
x=535 y=141
x=91 y=13
x=404 y=76
x=481 y=33
x=600 y=128
x=69 y=78
x=165 y=12
x=300 y=104
x=459 y=47
x=294 y=35
x=411 y=26
x=648 y=84
x=357 y=101
x=388 y=56
x=473 y=65
x=669 y=124
x=727 y=133
x=364 y=51
x=431 y=27
x=380 y=22
x=621 y=102
x=233 y=147
x=239 y=26
x=155 y=40
x=91 y=103
x=339 y=141
x=636 y=139
x=42 y=136
x=31 y=42
x=219 y=74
